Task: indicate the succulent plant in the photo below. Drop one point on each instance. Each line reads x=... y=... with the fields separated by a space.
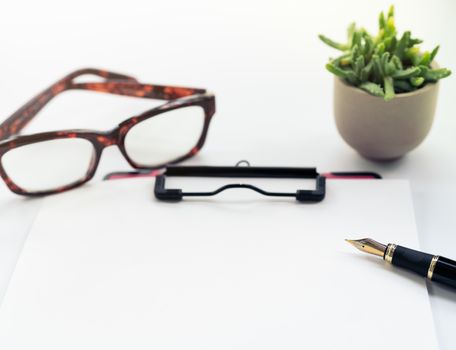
x=385 y=64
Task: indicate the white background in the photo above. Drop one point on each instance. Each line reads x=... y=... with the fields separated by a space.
x=265 y=64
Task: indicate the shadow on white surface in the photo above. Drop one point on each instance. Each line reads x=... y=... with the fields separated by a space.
x=16 y=218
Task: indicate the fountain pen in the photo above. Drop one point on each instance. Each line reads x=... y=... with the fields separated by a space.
x=435 y=268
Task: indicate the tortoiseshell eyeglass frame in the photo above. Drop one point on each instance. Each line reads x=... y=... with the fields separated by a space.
x=113 y=83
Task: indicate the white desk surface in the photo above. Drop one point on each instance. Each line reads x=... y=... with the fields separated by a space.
x=274 y=98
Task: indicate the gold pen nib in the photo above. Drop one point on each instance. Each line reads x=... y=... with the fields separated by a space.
x=368 y=245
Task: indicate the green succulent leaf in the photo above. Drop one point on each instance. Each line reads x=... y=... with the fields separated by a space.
x=402 y=86
x=352 y=78
x=346 y=61
x=413 y=55
x=356 y=39
x=342 y=73
x=417 y=81
x=384 y=62
x=381 y=21
x=391 y=11
x=390 y=28
x=407 y=73
x=423 y=70
x=413 y=42
x=425 y=59
x=354 y=53
x=436 y=74
x=389 y=88
x=380 y=49
x=434 y=53
x=373 y=89
x=359 y=65
x=366 y=71
x=390 y=44
x=336 y=45
x=368 y=47
x=378 y=69
x=350 y=31
x=402 y=44
x=341 y=60
x=390 y=69
x=397 y=62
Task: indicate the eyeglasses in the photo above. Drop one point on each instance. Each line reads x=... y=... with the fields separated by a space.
x=52 y=162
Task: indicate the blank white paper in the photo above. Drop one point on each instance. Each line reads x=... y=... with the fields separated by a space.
x=109 y=267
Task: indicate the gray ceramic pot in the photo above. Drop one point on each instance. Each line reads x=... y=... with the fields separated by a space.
x=382 y=130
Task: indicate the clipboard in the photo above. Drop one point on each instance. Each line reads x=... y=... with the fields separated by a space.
x=239 y=171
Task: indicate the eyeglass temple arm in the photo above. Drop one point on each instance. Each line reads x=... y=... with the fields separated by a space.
x=114 y=83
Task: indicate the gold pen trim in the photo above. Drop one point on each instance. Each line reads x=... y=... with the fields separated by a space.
x=390 y=252
x=430 y=272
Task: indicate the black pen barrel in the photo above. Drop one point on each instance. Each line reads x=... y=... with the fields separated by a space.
x=413 y=260
x=445 y=272
x=435 y=268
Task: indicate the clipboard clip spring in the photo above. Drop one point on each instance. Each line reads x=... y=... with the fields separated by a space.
x=304 y=196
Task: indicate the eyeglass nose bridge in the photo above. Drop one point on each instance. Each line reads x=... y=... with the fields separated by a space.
x=109 y=138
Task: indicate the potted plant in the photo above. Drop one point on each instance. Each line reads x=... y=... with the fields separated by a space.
x=385 y=90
